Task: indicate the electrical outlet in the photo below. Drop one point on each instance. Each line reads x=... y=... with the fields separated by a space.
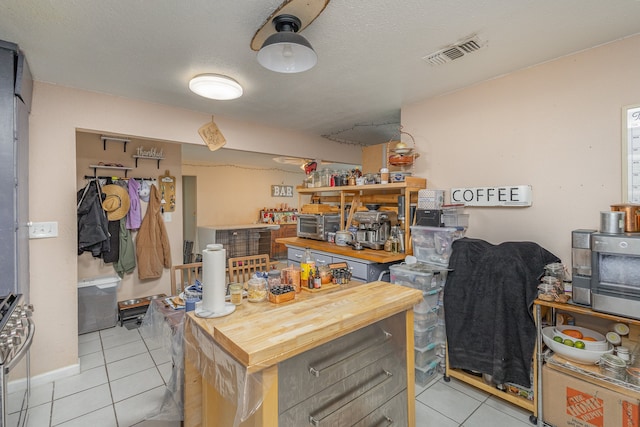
x=43 y=230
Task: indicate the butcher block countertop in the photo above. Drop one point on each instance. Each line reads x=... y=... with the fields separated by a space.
x=259 y=335
x=366 y=254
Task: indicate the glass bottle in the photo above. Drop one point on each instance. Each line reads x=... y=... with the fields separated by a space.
x=306 y=265
x=317 y=283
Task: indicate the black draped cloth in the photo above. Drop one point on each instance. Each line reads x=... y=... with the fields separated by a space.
x=488 y=299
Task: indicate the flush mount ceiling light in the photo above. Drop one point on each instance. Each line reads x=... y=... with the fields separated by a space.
x=215 y=86
x=286 y=51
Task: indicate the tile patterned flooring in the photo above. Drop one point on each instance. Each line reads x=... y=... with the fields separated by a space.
x=124 y=375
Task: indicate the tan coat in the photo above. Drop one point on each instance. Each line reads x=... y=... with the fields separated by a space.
x=152 y=243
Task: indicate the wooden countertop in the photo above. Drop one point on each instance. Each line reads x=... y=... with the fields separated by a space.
x=365 y=254
x=240 y=226
x=259 y=335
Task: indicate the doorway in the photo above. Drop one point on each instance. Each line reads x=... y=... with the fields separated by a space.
x=189 y=216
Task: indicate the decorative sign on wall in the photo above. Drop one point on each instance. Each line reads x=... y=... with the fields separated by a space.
x=282 y=191
x=516 y=195
x=167 y=184
x=152 y=153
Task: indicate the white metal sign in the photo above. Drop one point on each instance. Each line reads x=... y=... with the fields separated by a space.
x=516 y=195
x=282 y=191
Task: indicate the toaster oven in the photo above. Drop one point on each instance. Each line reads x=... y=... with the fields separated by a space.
x=316 y=226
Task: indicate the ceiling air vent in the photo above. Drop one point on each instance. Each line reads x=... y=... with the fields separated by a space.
x=454 y=51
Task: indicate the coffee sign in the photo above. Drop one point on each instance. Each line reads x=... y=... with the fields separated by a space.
x=519 y=195
x=282 y=191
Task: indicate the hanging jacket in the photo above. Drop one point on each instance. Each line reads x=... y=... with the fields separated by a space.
x=127 y=253
x=152 y=242
x=134 y=216
x=93 y=234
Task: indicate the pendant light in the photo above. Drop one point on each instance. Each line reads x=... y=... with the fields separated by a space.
x=286 y=51
x=215 y=86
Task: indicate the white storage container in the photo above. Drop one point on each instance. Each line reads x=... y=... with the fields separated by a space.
x=97 y=305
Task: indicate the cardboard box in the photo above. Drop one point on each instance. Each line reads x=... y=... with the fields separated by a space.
x=571 y=402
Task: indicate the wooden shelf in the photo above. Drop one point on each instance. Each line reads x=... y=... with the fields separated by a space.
x=477 y=382
x=371 y=193
x=576 y=309
x=586 y=311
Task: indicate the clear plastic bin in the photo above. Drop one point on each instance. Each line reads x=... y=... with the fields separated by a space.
x=430 y=302
x=432 y=245
x=426 y=374
x=425 y=320
x=455 y=220
x=424 y=337
x=419 y=275
x=425 y=355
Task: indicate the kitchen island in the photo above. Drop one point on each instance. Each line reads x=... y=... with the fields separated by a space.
x=337 y=357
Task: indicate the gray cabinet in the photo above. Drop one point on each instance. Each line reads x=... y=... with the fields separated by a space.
x=365 y=271
x=358 y=379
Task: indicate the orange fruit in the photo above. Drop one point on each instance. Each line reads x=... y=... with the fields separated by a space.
x=573 y=333
x=589 y=339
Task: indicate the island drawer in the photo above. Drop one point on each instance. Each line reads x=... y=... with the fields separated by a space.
x=392 y=413
x=311 y=372
x=351 y=399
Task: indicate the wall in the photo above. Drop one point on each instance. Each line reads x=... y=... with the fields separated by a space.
x=556 y=126
x=234 y=194
x=89 y=150
x=57 y=114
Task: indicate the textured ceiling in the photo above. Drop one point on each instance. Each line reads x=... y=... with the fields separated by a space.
x=369 y=52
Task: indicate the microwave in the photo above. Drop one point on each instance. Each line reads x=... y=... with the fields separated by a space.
x=615 y=274
x=316 y=226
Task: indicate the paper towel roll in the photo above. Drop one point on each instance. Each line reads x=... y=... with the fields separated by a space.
x=213 y=278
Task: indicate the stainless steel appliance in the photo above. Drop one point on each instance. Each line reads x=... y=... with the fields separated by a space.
x=374 y=227
x=581 y=266
x=16 y=333
x=615 y=273
x=16 y=329
x=316 y=226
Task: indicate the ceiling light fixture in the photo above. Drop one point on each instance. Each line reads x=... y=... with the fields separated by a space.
x=286 y=51
x=215 y=86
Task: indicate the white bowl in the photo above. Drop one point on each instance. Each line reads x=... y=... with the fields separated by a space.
x=587 y=357
x=600 y=343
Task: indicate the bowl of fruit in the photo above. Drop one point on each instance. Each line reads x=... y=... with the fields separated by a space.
x=582 y=337
x=566 y=347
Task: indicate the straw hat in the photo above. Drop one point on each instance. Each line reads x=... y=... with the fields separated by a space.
x=116 y=203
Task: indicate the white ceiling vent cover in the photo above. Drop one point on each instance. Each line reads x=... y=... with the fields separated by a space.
x=454 y=51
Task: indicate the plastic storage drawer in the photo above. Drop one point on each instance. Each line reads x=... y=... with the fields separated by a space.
x=424 y=337
x=425 y=355
x=426 y=374
x=97 y=305
x=425 y=320
x=429 y=303
x=432 y=245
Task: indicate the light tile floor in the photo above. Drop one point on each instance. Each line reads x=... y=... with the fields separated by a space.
x=124 y=375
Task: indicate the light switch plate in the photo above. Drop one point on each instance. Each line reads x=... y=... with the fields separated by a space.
x=43 y=230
